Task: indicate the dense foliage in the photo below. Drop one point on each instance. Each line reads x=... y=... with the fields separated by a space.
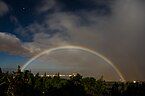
x=26 y=84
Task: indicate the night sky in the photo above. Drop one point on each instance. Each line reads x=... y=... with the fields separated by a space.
x=114 y=28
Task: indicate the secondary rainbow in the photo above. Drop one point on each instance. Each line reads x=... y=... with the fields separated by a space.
x=79 y=48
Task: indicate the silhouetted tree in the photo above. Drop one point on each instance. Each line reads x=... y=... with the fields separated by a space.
x=26 y=84
x=0 y=71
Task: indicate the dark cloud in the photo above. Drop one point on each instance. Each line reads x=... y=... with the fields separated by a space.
x=3 y=8
x=11 y=44
x=45 y=6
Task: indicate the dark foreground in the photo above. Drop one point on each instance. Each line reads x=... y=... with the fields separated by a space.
x=26 y=84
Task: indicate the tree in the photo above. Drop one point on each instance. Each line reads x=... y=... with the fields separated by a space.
x=0 y=71
x=115 y=90
x=101 y=86
x=89 y=84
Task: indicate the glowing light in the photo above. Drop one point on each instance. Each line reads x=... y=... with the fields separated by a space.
x=74 y=47
x=134 y=81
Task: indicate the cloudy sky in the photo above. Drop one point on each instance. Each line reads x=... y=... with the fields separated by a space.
x=114 y=28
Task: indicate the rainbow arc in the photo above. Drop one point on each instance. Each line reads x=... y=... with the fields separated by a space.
x=79 y=48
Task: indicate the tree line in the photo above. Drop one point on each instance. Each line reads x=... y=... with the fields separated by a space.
x=27 y=84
